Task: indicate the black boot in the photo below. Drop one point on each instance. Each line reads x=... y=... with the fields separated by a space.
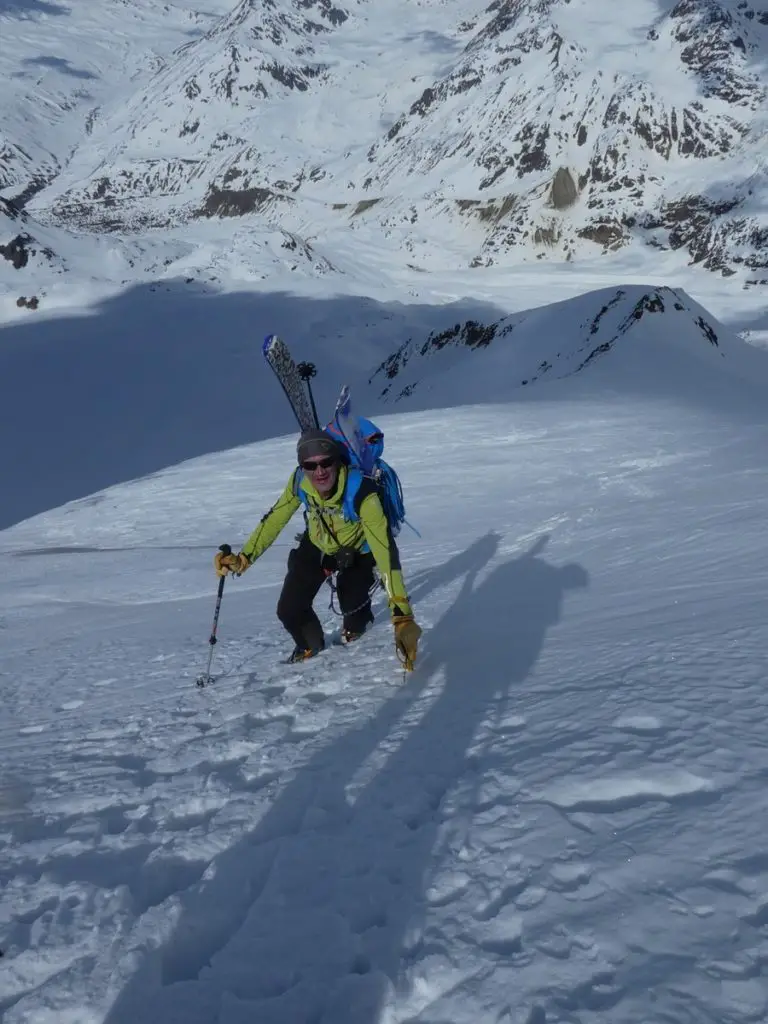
x=309 y=641
x=303 y=654
x=348 y=636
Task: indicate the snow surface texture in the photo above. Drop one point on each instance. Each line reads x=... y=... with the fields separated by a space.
x=555 y=819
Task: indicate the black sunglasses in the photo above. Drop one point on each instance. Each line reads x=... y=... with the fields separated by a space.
x=311 y=467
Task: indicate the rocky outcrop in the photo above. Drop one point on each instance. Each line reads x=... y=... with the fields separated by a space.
x=574 y=346
x=564 y=191
x=16 y=252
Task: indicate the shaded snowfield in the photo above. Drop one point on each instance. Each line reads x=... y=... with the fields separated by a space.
x=188 y=358
x=555 y=819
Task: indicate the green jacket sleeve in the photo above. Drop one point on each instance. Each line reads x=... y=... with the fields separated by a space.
x=272 y=525
x=385 y=553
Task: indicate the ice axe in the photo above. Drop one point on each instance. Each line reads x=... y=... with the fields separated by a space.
x=206 y=677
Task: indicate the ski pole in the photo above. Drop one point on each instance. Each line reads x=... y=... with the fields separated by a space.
x=306 y=372
x=205 y=678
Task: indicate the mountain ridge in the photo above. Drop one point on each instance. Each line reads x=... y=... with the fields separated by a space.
x=545 y=142
x=567 y=339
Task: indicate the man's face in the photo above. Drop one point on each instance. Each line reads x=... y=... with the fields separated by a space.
x=323 y=471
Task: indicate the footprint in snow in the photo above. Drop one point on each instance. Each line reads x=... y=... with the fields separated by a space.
x=569 y=877
x=317 y=697
x=509 y=894
x=272 y=692
x=502 y=935
x=447 y=888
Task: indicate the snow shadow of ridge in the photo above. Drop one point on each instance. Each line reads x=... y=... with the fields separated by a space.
x=168 y=372
x=311 y=917
x=30 y=8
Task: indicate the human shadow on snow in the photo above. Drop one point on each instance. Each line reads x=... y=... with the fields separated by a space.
x=313 y=917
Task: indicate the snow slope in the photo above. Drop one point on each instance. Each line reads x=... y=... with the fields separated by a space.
x=555 y=819
x=163 y=372
x=61 y=62
x=173 y=370
x=656 y=337
x=583 y=843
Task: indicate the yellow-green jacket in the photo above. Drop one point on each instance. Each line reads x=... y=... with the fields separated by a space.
x=329 y=530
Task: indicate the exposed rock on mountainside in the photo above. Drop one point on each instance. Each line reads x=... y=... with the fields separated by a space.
x=19 y=249
x=16 y=251
x=569 y=347
x=208 y=106
x=552 y=129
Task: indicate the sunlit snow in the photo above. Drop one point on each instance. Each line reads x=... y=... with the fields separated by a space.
x=559 y=817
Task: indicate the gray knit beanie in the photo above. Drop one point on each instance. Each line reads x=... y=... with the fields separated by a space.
x=314 y=443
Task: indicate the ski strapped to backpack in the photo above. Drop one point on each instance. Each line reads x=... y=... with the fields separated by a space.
x=361 y=441
x=362 y=445
x=280 y=360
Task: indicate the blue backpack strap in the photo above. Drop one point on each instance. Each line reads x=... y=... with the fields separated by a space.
x=391 y=494
x=354 y=480
x=299 y=492
x=359 y=486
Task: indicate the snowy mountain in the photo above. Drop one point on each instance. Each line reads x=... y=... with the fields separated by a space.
x=540 y=129
x=61 y=62
x=225 y=186
x=652 y=327
x=176 y=137
x=581 y=121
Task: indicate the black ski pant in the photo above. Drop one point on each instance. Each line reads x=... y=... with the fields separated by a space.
x=306 y=574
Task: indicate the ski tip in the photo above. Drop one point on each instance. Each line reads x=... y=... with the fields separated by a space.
x=343 y=402
x=268 y=342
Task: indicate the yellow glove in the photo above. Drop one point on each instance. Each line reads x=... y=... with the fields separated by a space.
x=407 y=633
x=224 y=564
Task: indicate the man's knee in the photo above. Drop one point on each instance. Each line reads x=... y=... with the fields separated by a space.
x=300 y=587
x=285 y=612
x=294 y=603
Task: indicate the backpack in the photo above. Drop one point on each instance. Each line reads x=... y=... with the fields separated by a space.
x=362 y=456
